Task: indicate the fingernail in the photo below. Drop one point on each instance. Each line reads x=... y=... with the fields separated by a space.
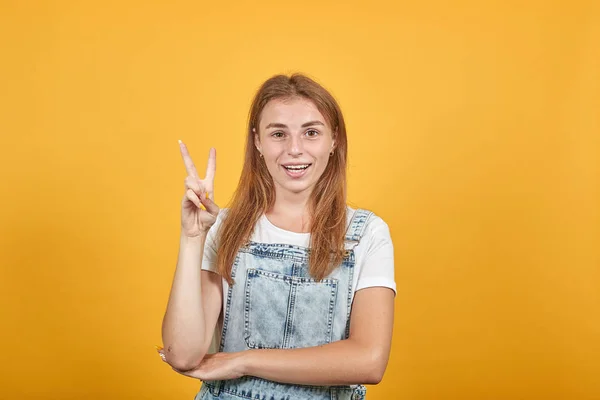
x=158 y=348
x=179 y=141
x=206 y=195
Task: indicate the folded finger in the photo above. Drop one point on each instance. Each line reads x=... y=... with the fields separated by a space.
x=210 y=205
x=193 y=197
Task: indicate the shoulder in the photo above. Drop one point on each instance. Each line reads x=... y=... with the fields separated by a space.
x=375 y=254
x=212 y=232
x=222 y=215
x=373 y=224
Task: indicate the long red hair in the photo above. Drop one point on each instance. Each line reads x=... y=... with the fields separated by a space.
x=255 y=193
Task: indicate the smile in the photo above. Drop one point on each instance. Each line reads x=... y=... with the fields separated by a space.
x=296 y=167
x=297 y=170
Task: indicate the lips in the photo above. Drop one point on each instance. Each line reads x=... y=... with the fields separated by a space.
x=296 y=170
x=296 y=167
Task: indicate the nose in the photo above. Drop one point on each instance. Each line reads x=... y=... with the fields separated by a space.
x=295 y=146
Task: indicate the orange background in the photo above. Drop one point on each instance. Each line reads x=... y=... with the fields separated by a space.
x=474 y=132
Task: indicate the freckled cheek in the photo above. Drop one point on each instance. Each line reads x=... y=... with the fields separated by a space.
x=273 y=164
x=322 y=158
x=317 y=152
x=270 y=156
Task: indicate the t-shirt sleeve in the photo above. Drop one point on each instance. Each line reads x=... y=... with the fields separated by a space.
x=377 y=267
x=209 y=258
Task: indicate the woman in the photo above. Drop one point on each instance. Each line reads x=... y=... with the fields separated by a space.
x=297 y=287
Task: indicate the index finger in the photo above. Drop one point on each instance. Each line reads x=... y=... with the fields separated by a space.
x=187 y=160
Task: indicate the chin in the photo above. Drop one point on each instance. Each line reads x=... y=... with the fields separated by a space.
x=295 y=187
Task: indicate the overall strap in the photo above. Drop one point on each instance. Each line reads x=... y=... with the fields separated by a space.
x=357 y=225
x=214 y=387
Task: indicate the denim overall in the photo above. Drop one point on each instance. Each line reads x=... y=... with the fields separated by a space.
x=275 y=304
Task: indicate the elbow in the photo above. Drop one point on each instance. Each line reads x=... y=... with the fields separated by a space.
x=376 y=368
x=184 y=364
x=374 y=377
x=184 y=360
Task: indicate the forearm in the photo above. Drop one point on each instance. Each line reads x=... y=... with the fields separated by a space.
x=343 y=362
x=184 y=327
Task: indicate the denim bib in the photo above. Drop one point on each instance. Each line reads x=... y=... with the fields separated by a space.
x=275 y=304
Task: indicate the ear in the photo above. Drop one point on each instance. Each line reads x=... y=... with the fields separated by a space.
x=256 y=139
x=333 y=143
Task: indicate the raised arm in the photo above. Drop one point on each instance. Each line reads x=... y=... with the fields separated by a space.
x=195 y=300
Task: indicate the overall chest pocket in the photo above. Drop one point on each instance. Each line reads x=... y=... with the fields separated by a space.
x=283 y=311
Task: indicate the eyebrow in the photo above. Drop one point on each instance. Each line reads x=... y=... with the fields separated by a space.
x=304 y=125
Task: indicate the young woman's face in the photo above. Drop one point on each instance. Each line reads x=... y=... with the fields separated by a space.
x=295 y=141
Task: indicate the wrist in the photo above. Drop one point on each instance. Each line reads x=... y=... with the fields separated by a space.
x=192 y=242
x=245 y=360
x=185 y=239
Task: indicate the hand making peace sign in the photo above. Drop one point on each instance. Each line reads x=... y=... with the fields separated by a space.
x=196 y=220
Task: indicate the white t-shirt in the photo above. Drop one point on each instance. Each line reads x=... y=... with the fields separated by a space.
x=374 y=254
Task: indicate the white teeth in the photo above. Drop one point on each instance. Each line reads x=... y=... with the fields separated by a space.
x=297 y=167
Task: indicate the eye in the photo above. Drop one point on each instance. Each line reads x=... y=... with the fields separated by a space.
x=278 y=134
x=312 y=133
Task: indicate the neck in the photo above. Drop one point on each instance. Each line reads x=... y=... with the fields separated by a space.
x=292 y=205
